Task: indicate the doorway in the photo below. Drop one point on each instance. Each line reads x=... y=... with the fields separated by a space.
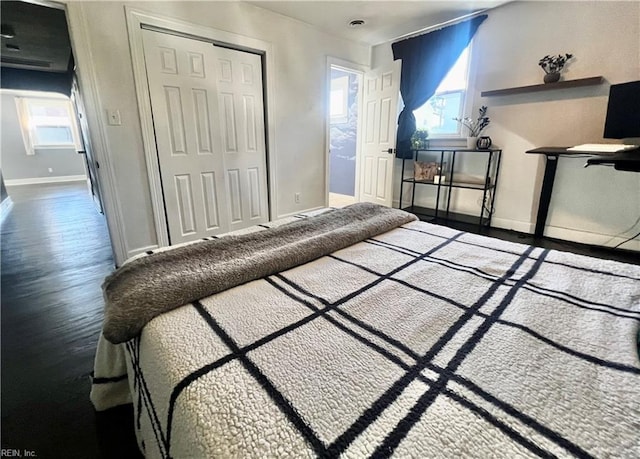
x=42 y=109
x=55 y=249
x=362 y=103
x=345 y=86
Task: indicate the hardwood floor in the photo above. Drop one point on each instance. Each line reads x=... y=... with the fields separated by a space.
x=622 y=255
x=55 y=254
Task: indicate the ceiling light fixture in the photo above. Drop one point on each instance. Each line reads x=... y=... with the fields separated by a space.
x=357 y=23
x=7 y=31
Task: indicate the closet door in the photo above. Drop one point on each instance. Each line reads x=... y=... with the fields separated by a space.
x=240 y=101
x=202 y=193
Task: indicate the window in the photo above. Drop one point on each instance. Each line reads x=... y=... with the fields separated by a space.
x=339 y=103
x=47 y=123
x=436 y=115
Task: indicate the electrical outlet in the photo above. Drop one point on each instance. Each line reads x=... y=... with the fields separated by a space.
x=51 y=170
x=296 y=198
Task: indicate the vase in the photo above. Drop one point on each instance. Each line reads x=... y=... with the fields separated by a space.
x=483 y=142
x=551 y=77
x=471 y=143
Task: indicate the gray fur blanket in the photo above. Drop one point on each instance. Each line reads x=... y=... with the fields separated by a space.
x=150 y=286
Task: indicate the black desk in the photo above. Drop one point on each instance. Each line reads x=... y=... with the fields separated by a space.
x=628 y=160
x=624 y=161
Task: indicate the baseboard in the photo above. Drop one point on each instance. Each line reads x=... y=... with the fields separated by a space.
x=583 y=237
x=513 y=225
x=39 y=180
x=134 y=252
x=502 y=223
x=570 y=235
x=138 y=251
x=396 y=204
x=5 y=208
x=567 y=234
x=298 y=212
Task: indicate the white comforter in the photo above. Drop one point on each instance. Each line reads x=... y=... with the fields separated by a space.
x=420 y=342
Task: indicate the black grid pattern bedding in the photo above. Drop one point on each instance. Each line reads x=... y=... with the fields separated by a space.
x=421 y=342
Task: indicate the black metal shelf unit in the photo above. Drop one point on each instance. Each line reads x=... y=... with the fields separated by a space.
x=448 y=178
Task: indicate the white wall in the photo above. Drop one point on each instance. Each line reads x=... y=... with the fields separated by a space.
x=300 y=56
x=588 y=205
x=17 y=165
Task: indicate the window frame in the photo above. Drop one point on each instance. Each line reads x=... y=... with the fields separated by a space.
x=342 y=85
x=28 y=125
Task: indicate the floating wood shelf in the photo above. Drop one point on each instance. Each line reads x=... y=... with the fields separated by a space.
x=544 y=87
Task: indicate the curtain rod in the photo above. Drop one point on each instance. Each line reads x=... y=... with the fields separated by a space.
x=440 y=26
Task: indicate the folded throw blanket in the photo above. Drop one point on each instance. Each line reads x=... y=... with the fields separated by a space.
x=150 y=286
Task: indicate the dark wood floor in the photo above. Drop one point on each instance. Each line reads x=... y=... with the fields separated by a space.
x=622 y=255
x=55 y=255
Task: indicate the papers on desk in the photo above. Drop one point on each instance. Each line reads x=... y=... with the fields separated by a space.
x=602 y=147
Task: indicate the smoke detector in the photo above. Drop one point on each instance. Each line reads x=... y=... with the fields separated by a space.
x=357 y=23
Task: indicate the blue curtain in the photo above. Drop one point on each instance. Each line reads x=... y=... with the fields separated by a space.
x=426 y=60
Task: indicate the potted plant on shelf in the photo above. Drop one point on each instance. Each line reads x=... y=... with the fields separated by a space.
x=475 y=127
x=553 y=65
x=420 y=139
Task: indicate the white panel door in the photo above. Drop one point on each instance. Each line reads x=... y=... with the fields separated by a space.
x=381 y=91
x=201 y=197
x=241 y=109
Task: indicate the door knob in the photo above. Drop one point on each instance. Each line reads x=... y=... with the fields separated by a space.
x=389 y=150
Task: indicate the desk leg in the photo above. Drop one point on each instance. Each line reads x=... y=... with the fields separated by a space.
x=545 y=194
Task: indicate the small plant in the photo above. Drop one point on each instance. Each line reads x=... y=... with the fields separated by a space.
x=419 y=139
x=554 y=64
x=476 y=126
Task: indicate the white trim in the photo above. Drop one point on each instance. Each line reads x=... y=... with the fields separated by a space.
x=135 y=19
x=513 y=225
x=407 y=199
x=359 y=70
x=60 y=146
x=298 y=212
x=584 y=237
x=568 y=234
x=88 y=84
x=5 y=208
x=139 y=250
x=37 y=180
x=46 y=3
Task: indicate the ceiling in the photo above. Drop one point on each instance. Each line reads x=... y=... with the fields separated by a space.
x=41 y=40
x=384 y=20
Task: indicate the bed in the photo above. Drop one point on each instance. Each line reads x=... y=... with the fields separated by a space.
x=361 y=332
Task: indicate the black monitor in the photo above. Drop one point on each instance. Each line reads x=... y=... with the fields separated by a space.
x=623 y=111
